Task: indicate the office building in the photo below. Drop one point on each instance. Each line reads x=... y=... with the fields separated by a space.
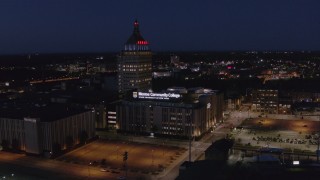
x=135 y=63
x=265 y=100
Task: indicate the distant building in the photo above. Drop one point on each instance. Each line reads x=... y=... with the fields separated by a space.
x=285 y=103
x=265 y=100
x=304 y=96
x=175 y=60
x=45 y=128
x=135 y=63
x=161 y=74
x=177 y=111
x=306 y=108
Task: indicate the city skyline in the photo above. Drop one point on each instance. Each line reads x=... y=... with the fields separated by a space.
x=138 y=113
x=63 y=27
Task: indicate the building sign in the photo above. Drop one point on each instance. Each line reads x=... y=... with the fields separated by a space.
x=157 y=96
x=296 y=162
x=135 y=94
x=30 y=120
x=208 y=105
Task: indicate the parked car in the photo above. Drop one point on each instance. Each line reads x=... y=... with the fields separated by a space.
x=103 y=170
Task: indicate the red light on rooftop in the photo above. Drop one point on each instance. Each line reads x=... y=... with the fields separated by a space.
x=142 y=42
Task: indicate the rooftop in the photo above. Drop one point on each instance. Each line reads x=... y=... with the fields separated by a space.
x=45 y=112
x=136 y=42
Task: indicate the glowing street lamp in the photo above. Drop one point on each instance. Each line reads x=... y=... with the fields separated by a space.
x=89 y=168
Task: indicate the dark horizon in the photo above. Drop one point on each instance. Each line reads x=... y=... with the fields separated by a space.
x=167 y=51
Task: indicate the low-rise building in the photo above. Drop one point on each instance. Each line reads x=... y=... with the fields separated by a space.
x=265 y=100
x=40 y=128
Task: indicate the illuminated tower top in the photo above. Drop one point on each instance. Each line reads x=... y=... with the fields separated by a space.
x=136 y=41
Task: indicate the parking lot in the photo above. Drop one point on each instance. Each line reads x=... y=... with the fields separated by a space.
x=267 y=124
x=108 y=154
x=299 y=134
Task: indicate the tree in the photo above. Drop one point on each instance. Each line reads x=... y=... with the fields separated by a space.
x=180 y=132
x=15 y=144
x=56 y=148
x=154 y=128
x=103 y=162
x=69 y=141
x=5 y=144
x=83 y=137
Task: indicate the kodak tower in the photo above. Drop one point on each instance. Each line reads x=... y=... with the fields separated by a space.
x=135 y=63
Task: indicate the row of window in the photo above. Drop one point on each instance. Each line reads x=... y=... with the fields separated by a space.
x=140 y=69
x=136 y=66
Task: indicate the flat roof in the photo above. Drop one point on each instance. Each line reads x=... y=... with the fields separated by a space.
x=45 y=112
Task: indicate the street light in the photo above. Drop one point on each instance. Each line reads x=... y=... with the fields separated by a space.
x=125 y=158
x=163 y=148
x=89 y=168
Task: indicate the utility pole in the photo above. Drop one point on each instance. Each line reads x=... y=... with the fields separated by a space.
x=125 y=158
x=89 y=169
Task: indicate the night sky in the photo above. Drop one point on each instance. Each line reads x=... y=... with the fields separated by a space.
x=58 y=26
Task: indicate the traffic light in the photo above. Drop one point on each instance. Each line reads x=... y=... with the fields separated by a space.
x=125 y=156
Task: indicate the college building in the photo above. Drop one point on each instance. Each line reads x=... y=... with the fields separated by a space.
x=176 y=111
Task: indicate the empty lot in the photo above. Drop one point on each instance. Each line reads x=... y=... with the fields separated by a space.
x=141 y=157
